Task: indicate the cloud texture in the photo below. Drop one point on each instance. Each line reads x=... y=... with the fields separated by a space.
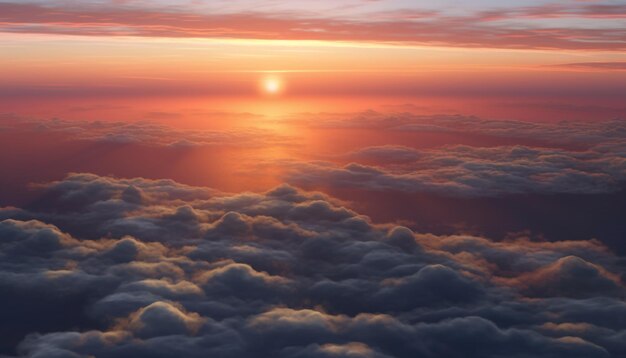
x=504 y=157
x=515 y=26
x=144 y=268
x=144 y=132
x=543 y=158
x=471 y=171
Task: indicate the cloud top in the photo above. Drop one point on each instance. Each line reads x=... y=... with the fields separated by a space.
x=189 y=271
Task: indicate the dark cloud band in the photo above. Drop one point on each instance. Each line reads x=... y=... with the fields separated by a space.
x=144 y=268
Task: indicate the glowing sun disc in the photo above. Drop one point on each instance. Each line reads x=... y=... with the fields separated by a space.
x=272 y=86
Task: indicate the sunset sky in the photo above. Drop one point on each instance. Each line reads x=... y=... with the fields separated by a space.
x=312 y=179
x=384 y=48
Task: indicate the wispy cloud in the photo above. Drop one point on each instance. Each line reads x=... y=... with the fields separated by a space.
x=480 y=29
x=619 y=66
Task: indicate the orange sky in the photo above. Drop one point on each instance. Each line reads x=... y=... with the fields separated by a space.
x=391 y=47
x=32 y=64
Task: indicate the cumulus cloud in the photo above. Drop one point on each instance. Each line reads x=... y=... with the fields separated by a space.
x=162 y=319
x=353 y=349
x=583 y=134
x=141 y=132
x=105 y=267
x=544 y=158
x=470 y=171
x=505 y=157
x=571 y=276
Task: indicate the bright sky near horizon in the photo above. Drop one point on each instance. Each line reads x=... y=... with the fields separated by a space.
x=526 y=51
x=51 y=47
x=312 y=178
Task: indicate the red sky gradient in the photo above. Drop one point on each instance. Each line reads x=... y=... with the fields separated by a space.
x=199 y=66
x=312 y=179
x=137 y=48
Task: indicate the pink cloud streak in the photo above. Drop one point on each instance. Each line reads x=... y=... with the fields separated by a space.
x=431 y=29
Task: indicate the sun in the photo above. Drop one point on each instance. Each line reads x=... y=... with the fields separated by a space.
x=272 y=85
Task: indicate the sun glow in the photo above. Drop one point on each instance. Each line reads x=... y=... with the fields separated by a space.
x=272 y=86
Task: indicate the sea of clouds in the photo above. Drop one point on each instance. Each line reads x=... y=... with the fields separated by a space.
x=109 y=267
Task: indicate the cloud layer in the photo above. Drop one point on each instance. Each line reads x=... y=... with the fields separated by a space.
x=471 y=171
x=154 y=268
x=504 y=157
x=543 y=158
x=144 y=132
x=517 y=26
